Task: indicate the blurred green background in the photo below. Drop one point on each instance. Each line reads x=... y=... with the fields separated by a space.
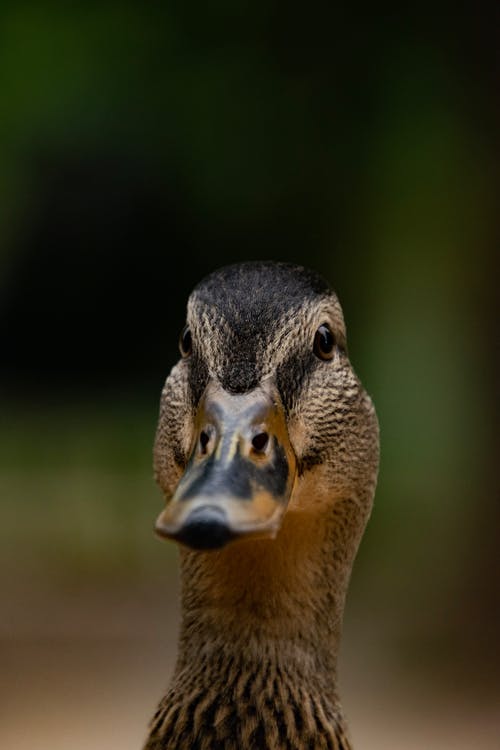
x=142 y=146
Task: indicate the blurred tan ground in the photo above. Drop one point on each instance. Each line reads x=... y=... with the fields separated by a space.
x=88 y=677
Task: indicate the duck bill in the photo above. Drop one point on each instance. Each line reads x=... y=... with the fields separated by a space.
x=240 y=474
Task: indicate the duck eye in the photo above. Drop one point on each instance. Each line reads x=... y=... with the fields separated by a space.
x=324 y=342
x=185 y=341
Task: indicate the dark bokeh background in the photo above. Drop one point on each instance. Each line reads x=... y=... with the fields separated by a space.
x=143 y=146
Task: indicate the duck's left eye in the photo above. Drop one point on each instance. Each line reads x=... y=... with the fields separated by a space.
x=324 y=342
x=185 y=341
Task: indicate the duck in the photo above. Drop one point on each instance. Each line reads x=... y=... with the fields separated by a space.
x=267 y=453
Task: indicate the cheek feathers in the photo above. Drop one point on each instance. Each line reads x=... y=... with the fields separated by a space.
x=325 y=416
x=173 y=435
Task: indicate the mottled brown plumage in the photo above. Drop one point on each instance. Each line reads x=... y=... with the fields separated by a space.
x=261 y=617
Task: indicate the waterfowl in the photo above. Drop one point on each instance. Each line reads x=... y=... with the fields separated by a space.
x=267 y=453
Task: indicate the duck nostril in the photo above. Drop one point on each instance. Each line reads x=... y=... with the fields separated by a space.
x=204 y=440
x=260 y=441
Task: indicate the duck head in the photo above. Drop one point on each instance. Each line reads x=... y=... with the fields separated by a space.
x=263 y=415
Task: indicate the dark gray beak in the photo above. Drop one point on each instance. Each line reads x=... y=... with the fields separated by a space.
x=240 y=474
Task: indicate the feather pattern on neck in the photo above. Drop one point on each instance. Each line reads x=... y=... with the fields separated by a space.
x=259 y=639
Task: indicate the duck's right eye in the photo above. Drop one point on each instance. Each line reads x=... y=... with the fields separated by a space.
x=185 y=341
